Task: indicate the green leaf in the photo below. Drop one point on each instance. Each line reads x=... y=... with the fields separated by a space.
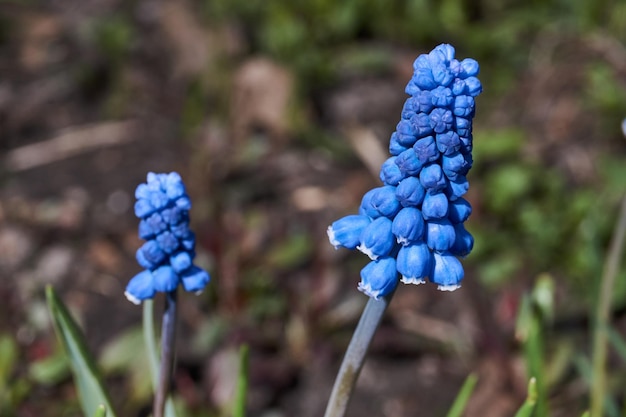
x=153 y=352
x=527 y=408
x=242 y=383
x=86 y=375
x=463 y=397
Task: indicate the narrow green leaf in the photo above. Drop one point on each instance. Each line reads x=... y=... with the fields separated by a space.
x=86 y=376
x=527 y=408
x=8 y=359
x=242 y=383
x=101 y=411
x=617 y=342
x=585 y=414
x=153 y=352
x=463 y=396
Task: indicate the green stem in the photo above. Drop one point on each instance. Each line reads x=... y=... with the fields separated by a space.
x=242 y=382
x=355 y=356
x=611 y=266
x=168 y=341
x=150 y=341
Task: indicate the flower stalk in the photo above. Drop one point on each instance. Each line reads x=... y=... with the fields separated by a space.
x=168 y=348
x=355 y=356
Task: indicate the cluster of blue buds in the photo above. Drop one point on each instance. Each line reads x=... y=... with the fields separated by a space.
x=413 y=224
x=167 y=255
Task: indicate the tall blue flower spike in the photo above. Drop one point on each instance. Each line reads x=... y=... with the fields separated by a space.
x=414 y=222
x=167 y=255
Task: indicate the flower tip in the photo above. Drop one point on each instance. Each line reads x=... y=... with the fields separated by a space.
x=369 y=291
x=367 y=251
x=448 y=288
x=136 y=301
x=414 y=281
x=331 y=237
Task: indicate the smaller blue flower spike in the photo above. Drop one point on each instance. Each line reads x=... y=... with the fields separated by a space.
x=167 y=255
x=413 y=225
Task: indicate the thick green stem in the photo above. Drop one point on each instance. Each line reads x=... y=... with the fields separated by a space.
x=611 y=266
x=355 y=356
x=168 y=342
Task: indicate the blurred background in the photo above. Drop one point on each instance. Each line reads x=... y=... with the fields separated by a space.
x=278 y=115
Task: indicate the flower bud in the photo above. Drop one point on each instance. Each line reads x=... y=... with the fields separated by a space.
x=470 y=68
x=390 y=173
x=410 y=192
x=346 y=232
x=414 y=263
x=167 y=241
x=473 y=87
x=442 y=75
x=424 y=99
x=448 y=142
x=459 y=210
x=377 y=239
x=426 y=150
x=379 y=202
x=408 y=164
x=442 y=97
x=441 y=120
x=435 y=206
x=440 y=235
x=180 y=261
x=408 y=226
x=423 y=78
x=432 y=178
x=463 y=242
x=463 y=106
x=379 y=278
x=150 y=255
x=447 y=272
x=457 y=188
x=165 y=279
x=422 y=125
x=395 y=147
x=195 y=279
x=140 y=287
x=453 y=165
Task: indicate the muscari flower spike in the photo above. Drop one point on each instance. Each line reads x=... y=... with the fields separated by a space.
x=412 y=226
x=167 y=255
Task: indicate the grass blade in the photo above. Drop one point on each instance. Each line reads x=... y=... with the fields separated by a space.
x=101 y=411
x=86 y=376
x=526 y=410
x=463 y=397
x=603 y=309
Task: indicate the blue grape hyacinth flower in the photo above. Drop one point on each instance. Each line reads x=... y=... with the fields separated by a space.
x=167 y=255
x=412 y=227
